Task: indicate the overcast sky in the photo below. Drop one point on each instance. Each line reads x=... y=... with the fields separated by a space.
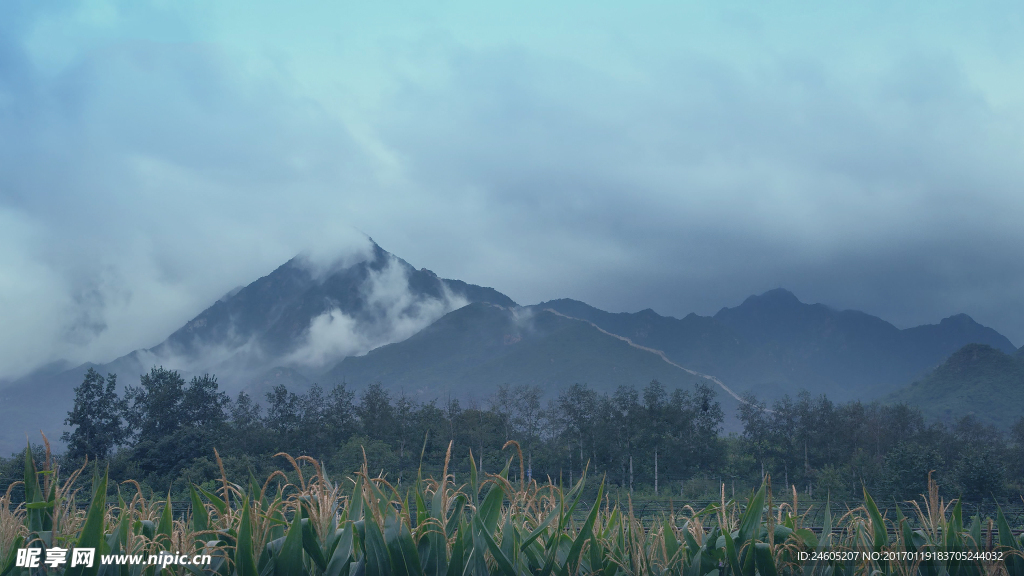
x=154 y=155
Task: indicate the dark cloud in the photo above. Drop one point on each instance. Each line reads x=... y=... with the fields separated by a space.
x=144 y=174
x=896 y=195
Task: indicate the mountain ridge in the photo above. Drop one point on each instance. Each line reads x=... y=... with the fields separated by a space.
x=308 y=321
x=775 y=344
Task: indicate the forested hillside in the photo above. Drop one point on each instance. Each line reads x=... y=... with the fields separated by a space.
x=977 y=380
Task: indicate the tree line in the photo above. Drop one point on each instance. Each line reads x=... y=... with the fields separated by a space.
x=815 y=443
x=669 y=443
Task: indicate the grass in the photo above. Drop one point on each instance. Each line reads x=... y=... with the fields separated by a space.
x=316 y=525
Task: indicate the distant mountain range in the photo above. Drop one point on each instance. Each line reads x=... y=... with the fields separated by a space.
x=375 y=317
x=774 y=344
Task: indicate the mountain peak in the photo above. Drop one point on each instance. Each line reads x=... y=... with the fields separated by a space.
x=779 y=296
x=774 y=298
x=958 y=320
x=772 y=301
x=318 y=307
x=955 y=331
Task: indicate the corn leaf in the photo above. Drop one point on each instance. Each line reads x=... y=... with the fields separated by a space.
x=457 y=562
x=245 y=563
x=200 y=516
x=8 y=564
x=166 y=526
x=219 y=504
x=572 y=561
x=92 y=531
x=342 y=556
x=504 y=563
x=1014 y=562
x=750 y=522
x=288 y=561
x=311 y=545
x=378 y=560
x=764 y=559
x=404 y=558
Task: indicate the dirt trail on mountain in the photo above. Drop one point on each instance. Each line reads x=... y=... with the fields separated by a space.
x=654 y=351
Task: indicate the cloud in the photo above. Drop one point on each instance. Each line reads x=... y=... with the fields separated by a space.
x=348 y=248
x=331 y=335
x=140 y=181
x=713 y=179
x=394 y=313
x=678 y=157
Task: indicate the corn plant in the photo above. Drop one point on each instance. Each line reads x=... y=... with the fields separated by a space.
x=304 y=523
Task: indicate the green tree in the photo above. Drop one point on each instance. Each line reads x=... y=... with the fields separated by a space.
x=906 y=469
x=1017 y=449
x=203 y=405
x=313 y=438
x=245 y=414
x=247 y=433
x=283 y=416
x=376 y=413
x=503 y=404
x=204 y=417
x=341 y=413
x=172 y=424
x=756 y=428
x=784 y=442
x=405 y=427
x=153 y=409
x=96 y=416
x=694 y=423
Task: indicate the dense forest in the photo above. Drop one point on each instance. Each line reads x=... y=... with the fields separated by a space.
x=657 y=442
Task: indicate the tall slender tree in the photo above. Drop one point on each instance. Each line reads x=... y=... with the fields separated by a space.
x=655 y=427
x=630 y=424
x=96 y=417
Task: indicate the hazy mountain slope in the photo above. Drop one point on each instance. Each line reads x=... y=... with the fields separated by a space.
x=424 y=363
x=942 y=339
x=697 y=342
x=977 y=379
x=41 y=401
x=43 y=405
x=847 y=354
x=471 y=351
x=774 y=344
x=290 y=378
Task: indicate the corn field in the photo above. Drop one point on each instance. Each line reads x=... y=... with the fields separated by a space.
x=305 y=523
